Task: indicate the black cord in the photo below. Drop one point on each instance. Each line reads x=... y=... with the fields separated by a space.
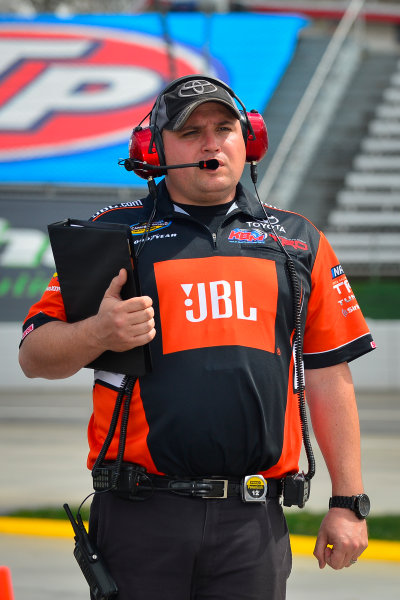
x=298 y=339
x=113 y=426
x=128 y=390
x=124 y=397
x=151 y=184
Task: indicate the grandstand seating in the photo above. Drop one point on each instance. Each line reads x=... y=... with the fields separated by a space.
x=364 y=227
x=372 y=253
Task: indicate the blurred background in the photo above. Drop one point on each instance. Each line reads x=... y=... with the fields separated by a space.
x=77 y=75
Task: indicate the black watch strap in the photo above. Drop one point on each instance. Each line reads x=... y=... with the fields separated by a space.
x=342 y=502
x=360 y=504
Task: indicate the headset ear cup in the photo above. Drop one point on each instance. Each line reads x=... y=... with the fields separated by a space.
x=146 y=146
x=257 y=145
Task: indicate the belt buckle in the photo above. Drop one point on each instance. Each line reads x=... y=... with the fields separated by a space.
x=225 y=487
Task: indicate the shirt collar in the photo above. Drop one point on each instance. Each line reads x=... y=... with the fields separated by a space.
x=244 y=201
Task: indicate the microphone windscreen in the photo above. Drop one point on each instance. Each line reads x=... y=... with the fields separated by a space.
x=127 y=164
x=212 y=164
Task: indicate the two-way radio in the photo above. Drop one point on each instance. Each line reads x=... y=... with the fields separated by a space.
x=101 y=584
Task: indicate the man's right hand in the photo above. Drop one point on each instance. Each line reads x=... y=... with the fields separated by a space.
x=123 y=324
x=59 y=349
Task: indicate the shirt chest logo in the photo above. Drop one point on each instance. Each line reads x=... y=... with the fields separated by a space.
x=155 y=226
x=217 y=301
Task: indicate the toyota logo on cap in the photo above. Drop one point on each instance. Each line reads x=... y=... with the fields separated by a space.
x=196 y=88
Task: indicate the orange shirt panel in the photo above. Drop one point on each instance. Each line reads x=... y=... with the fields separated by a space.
x=51 y=302
x=217 y=301
x=136 y=449
x=334 y=317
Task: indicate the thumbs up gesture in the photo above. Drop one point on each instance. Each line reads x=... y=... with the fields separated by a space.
x=124 y=324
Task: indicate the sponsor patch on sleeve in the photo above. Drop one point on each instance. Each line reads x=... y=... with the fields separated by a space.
x=28 y=330
x=337 y=271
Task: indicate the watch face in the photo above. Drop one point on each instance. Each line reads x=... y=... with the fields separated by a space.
x=363 y=505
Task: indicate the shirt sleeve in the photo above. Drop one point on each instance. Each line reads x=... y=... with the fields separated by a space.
x=50 y=307
x=335 y=329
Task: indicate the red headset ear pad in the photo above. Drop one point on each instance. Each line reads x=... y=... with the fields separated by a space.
x=257 y=145
x=139 y=149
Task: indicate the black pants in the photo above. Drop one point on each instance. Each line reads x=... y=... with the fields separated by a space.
x=171 y=547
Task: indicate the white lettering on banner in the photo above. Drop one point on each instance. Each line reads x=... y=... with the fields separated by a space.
x=13 y=51
x=222 y=297
x=66 y=88
x=27 y=248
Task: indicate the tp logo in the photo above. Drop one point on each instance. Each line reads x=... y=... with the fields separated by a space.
x=68 y=88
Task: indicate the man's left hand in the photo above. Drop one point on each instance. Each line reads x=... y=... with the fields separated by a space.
x=342 y=538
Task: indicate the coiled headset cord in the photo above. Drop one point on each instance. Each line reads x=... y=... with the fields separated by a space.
x=124 y=397
x=298 y=340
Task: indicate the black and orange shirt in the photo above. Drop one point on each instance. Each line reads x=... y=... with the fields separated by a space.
x=221 y=396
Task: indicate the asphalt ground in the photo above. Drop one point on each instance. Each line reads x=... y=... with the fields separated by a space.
x=44 y=569
x=43 y=452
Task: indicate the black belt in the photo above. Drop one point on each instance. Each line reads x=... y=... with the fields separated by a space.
x=133 y=481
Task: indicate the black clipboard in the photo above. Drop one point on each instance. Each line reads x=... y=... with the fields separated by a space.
x=87 y=256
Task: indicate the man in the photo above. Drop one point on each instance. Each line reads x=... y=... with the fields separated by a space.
x=221 y=400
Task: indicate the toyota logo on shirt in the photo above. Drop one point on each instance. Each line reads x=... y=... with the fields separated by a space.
x=68 y=88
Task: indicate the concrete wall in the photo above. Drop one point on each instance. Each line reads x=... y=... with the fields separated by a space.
x=378 y=370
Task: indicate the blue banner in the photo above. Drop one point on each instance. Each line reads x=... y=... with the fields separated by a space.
x=71 y=90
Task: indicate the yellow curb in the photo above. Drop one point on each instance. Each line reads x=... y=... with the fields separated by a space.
x=302 y=545
x=36 y=527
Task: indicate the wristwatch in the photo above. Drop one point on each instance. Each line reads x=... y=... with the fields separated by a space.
x=360 y=504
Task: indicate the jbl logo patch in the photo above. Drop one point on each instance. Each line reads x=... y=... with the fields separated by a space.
x=217 y=301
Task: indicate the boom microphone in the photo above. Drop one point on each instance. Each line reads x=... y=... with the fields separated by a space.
x=131 y=164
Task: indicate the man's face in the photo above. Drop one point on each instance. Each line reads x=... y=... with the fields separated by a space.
x=211 y=132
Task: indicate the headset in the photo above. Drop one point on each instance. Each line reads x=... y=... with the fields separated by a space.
x=146 y=148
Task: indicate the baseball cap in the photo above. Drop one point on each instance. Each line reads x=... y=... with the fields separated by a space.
x=178 y=103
